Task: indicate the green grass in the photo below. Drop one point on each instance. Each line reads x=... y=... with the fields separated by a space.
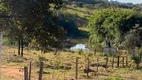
x=81 y=12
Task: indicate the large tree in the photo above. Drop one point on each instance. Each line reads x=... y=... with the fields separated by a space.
x=34 y=20
x=113 y=24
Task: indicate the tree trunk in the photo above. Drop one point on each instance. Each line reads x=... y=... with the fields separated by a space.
x=19 y=43
x=22 y=46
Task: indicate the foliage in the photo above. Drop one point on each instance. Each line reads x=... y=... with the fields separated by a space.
x=41 y=58
x=140 y=52
x=133 y=39
x=79 y=51
x=34 y=20
x=8 y=42
x=68 y=22
x=137 y=59
x=112 y=24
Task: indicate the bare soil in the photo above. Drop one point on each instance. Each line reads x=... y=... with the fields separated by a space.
x=13 y=73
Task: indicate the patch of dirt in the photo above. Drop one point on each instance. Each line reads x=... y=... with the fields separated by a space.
x=13 y=73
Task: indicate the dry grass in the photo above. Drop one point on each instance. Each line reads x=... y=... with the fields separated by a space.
x=62 y=66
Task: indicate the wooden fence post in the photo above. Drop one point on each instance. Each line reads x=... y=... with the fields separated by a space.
x=123 y=61
x=126 y=60
x=41 y=71
x=112 y=61
x=88 y=63
x=30 y=70
x=52 y=75
x=25 y=73
x=106 y=61
x=95 y=52
x=76 y=71
x=118 y=60
x=97 y=64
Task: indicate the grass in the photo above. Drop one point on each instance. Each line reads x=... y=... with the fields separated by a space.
x=62 y=65
x=81 y=12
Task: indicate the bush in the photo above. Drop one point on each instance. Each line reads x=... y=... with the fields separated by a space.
x=79 y=51
x=101 y=54
x=41 y=58
x=137 y=60
x=140 y=51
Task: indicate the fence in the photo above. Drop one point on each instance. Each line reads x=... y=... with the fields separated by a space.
x=106 y=64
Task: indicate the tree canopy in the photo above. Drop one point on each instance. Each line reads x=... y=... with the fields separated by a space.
x=33 y=20
x=113 y=24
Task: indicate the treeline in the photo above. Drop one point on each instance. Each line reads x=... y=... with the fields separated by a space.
x=122 y=28
x=99 y=4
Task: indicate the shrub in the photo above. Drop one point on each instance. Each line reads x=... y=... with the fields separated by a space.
x=137 y=60
x=79 y=51
x=41 y=58
x=101 y=54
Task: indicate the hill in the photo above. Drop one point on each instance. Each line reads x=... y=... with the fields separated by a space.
x=79 y=12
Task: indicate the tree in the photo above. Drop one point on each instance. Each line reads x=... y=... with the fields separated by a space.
x=113 y=24
x=34 y=20
x=68 y=22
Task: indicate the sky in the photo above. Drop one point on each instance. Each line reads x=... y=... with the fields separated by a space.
x=131 y=1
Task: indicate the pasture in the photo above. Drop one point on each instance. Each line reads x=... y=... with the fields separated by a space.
x=63 y=66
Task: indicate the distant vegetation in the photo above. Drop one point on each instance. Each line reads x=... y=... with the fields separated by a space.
x=68 y=18
x=115 y=24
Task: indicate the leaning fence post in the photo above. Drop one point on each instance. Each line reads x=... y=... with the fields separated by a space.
x=76 y=72
x=30 y=70
x=25 y=73
x=118 y=60
x=41 y=71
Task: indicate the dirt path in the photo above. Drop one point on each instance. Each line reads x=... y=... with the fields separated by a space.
x=13 y=73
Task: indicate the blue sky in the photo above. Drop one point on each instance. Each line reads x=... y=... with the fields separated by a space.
x=132 y=1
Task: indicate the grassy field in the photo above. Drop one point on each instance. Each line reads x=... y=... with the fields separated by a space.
x=81 y=12
x=62 y=66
